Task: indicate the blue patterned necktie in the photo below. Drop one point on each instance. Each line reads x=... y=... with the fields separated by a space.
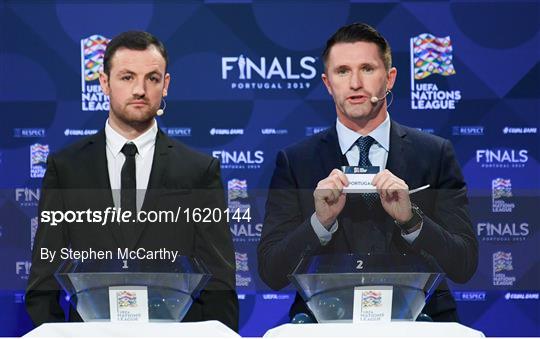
x=364 y=144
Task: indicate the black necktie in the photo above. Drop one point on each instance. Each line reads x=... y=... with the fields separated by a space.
x=364 y=144
x=128 y=191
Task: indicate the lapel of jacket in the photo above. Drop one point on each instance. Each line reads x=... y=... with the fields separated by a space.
x=99 y=183
x=330 y=153
x=396 y=163
x=399 y=151
x=156 y=182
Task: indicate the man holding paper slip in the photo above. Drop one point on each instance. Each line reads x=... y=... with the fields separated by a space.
x=348 y=189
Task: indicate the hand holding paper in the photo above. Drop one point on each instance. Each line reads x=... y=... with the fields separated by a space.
x=394 y=194
x=329 y=197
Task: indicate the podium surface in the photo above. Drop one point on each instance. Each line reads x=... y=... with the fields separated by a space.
x=405 y=329
x=107 y=329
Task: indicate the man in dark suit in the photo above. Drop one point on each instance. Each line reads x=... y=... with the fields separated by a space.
x=133 y=165
x=307 y=211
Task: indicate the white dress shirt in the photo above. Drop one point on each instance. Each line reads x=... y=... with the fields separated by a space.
x=145 y=143
x=378 y=156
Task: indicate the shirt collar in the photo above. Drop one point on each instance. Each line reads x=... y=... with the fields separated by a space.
x=144 y=142
x=347 y=137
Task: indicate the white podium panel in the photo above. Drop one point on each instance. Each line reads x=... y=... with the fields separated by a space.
x=155 y=329
x=403 y=329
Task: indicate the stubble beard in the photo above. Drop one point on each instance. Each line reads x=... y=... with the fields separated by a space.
x=137 y=121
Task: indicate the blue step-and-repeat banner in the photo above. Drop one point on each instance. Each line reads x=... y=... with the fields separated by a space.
x=246 y=82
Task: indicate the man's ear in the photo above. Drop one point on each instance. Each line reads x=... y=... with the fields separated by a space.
x=391 y=78
x=326 y=82
x=166 y=83
x=104 y=82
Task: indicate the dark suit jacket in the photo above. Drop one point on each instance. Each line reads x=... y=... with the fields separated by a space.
x=446 y=238
x=77 y=178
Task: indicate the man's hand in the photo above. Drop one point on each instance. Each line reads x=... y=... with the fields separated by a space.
x=329 y=197
x=394 y=194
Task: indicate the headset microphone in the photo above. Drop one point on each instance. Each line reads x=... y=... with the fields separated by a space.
x=375 y=100
x=161 y=111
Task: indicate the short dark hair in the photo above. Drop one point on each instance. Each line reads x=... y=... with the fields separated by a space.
x=135 y=40
x=360 y=32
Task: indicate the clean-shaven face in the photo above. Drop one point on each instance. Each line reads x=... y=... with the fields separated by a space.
x=355 y=72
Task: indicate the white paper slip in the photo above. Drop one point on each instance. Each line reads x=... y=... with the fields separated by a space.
x=360 y=178
x=419 y=189
x=372 y=303
x=128 y=303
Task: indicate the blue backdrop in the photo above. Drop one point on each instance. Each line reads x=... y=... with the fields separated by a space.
x=488 y=106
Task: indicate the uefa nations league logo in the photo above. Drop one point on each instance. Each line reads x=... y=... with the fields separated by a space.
x=502 y=264
x=241 y=262
x=501 y=195
x=371 y=299
x=38 y=160
x=126 y=299
x=242 y=279
x=92 y=52
x=431 y=55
